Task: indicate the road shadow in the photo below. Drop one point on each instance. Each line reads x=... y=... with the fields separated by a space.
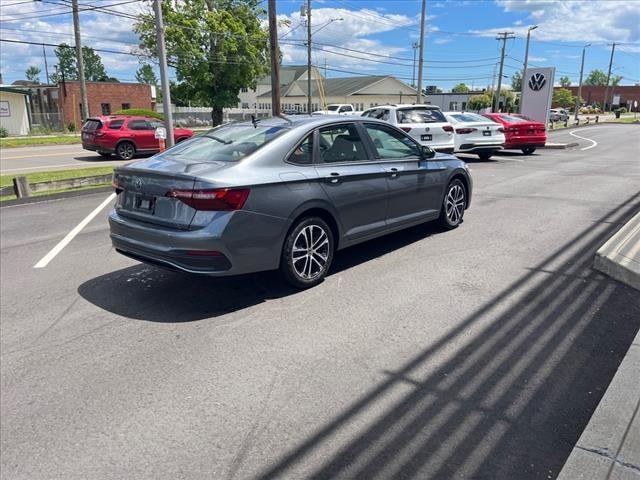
x=511 y=401
x=153 y=294
x=98 y=159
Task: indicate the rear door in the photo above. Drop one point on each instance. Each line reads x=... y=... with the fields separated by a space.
x=415 y=184
x=352 y=179
x=143 y=134
x=89 y=129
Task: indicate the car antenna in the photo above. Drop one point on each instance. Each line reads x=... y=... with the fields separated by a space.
x=254 y=121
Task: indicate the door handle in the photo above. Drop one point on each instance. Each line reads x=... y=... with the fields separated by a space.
x=394 y=172
x=335 y=178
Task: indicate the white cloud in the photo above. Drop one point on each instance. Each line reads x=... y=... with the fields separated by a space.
x=442 y=40
x=537 y=59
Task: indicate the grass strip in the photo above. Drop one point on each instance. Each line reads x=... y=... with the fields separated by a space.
x=36 y=141
x=37 y=177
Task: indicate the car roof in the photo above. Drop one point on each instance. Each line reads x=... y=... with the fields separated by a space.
x=406 y=105
x=306 y=121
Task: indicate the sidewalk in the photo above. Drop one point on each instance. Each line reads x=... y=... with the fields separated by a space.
x=609 y=447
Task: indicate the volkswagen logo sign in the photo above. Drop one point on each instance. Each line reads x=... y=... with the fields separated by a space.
x=537 y=81
x=138 y=183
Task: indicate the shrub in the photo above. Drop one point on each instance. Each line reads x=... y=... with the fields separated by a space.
x=71 y=127
x=622 y=110
x=142 y=112
x=3 y=132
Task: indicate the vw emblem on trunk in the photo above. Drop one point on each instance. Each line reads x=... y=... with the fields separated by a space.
x=137 y=183
x=537 y=81
x=426 y=129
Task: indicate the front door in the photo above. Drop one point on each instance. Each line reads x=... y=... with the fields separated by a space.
x=143 y=134
x=353 y=181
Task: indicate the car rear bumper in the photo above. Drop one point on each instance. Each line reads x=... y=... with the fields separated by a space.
x=245 y=242
x=525 y=141
x=474 y=147
x=97 y=148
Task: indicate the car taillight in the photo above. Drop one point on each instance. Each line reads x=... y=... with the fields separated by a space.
x=100 y=134
x=406 y=129
x=512 y=129
x=501 y=130
x=219 y=199
x=116 y=186
x=542 y=129
x=464 y=131
x=448 y=128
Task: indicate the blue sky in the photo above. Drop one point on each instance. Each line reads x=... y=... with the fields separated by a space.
x=460 y=41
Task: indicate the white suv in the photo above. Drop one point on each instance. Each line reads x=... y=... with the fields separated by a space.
x=425 y=123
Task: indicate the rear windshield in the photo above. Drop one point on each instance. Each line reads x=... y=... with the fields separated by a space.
x=419 y=115
x=92 y=124
x=469 y=117
x=228 y=143
x=513 y=119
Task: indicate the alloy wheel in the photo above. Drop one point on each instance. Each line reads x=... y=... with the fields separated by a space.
x=125 y=151
x=310 y=252
x=454 y=203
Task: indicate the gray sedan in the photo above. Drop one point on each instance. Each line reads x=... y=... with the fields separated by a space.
x=281 y=193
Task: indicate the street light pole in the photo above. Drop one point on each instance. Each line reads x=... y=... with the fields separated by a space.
x=164 y=75
x=414 y=45
x=606 y=91
x=275 y=64
x=421 y=57
x=526 y=62
x=80 y=61
x=308 y=57
x=575 y=115
x=504 y=36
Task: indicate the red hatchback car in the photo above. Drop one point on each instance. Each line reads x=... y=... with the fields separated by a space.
x=520 y=132
x=125 y=135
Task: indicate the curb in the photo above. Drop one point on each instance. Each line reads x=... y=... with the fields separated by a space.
x=589 y=125
x=619 y=257
x=55 y=196
x=560 y=146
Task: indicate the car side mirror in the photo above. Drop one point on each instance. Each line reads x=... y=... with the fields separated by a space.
x=427 y=152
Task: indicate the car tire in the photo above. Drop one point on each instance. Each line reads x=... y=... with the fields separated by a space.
x=453 y=205
x=104 y=154
x=125 y=150
x=528 y=150
x=485 y=156
x=307 y=253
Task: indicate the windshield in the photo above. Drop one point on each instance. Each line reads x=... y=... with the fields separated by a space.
x=468 y=117
x=332 y=108
x=419 y=115
x=228 y=143
x=514 y=119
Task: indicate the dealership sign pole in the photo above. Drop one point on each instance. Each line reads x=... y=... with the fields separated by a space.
x=537 y=90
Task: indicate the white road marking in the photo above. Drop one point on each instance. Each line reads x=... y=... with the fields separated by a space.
x=71 y=235
x=595 y=144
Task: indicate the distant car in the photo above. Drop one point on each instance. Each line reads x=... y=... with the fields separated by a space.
x=425 y=123
x=476 y=134
x=125 y=135
x=558 y=115
x=282 y=193
x=521 y=133
x=337 y=109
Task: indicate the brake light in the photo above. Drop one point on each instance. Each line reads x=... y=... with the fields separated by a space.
x=501 y=130
x=220 y=199
x=116 y=186
x=406 y=129
x=448 y=128
x=512 y=129
x=464 y=131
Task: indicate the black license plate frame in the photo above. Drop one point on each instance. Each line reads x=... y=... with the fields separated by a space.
x=144 y=203
x=426 y=137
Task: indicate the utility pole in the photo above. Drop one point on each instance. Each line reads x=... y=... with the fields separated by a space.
x=526 y=63
x=606 y=91
x=504 y=36
x=575 y=114
x=46 y=67
x=80 y=61
x=308 y=12
x=164 y=75
x=275 y=64
x=421 y=57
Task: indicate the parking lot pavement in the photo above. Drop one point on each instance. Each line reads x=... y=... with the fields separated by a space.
x=479 y=352
x=52 y=157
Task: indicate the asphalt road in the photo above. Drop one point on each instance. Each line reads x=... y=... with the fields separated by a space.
x=53 y=157
x=476 y=353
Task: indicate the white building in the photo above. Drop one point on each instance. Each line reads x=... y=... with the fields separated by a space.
x=14 y=110
x=361 y=91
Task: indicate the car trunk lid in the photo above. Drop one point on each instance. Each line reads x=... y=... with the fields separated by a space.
x=90 y=129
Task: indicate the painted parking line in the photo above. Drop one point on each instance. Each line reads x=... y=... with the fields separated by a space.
x=71 y=235
x=594 y=143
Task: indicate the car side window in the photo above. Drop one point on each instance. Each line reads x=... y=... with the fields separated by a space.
x=385 y=115
x=390 y=143
x=303 y=153
x=153 y=124
x=139 y=125
x=341 y=143
x=116 y=124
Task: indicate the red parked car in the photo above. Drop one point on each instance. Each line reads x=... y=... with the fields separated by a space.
x=521 y=133
x=125 y=135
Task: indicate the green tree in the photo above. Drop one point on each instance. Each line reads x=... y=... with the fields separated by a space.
x=565 y=82
x=615 y=80
x=563 y=98
x=94 y=70
x=33 y=74
x=145 y=74
x=478 y=102
x=516 y=81
x=596 y=77
x=216 y=47
x=460 y=88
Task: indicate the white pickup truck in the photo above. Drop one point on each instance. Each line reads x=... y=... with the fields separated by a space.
x=337 y=109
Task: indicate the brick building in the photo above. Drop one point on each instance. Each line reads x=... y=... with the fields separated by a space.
x=620 y=96
x=104 y=98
